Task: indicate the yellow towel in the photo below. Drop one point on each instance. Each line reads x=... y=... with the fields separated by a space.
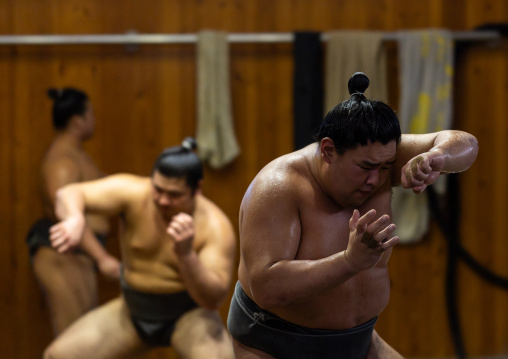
x=426 y=76
x=215 y=131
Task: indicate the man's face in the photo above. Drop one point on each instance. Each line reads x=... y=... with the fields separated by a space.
x=172 y=195
x=358 y=173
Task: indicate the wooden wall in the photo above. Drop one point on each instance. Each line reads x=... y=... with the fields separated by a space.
x=145 y=100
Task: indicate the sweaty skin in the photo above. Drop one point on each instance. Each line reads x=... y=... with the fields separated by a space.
x=316 y=228
x=306 y=254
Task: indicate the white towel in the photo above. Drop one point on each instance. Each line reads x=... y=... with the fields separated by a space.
x=348 y=52
x=215 y=131
x=426 y=78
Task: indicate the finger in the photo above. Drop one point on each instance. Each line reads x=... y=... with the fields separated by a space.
x=425 y=166
x=417 y=169
x=58 y=242
x=419 y=189
x=54 y=236
x=385 y=233
x=177 y=226
x=414 y=175
x=387 y=244
x=182 y=217
x=173 y=234
x=64 y=248
x=408 y=180
x=353 y=221
x=433 y=176
x=378 y=225
x=55 y=230
x=365 y=219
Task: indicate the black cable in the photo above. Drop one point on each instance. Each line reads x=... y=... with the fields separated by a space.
x=450 y=226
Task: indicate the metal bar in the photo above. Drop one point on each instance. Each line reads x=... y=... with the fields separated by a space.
x=137 y=39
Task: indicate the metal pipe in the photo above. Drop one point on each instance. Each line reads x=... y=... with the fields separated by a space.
x=137 y=39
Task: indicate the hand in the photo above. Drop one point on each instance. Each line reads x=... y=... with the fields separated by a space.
x=66 y=235
x=422 y=170
x=181 y=230
x=109 y=267
x=367 y=242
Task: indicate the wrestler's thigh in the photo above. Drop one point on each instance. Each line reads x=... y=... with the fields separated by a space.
x=200 y=333
x=105 y=332
x=69 y=284
x=244 y=352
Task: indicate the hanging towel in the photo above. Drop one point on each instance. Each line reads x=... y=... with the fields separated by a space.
x=353 y=51
x=307 y=87
x=426 y=77
x=215 y=132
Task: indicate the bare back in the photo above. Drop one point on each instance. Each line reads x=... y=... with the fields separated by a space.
x=66 y=162
x=318 y=229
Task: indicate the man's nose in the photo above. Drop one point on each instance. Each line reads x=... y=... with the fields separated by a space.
x=373 y=179
x=164 y=200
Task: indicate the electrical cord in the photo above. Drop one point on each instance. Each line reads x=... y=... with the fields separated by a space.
x=449 y=223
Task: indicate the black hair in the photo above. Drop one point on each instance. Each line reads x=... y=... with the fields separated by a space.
x=181 y=161
x=358 y=120
x=67 y=103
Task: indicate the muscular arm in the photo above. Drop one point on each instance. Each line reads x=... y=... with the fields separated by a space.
x=104 y=196
x=270 y=230
x=58 y=174
x=422 y=158
x=207 y=272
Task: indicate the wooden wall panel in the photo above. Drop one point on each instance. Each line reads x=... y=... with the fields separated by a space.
x=145 y=100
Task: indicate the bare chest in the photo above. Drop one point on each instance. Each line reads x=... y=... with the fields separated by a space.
x=325 y=228
x=146 y=238
x=322 y=233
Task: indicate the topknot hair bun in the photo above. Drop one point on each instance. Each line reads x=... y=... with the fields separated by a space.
x=358 y=83
x=189 y=143
x=54 y=94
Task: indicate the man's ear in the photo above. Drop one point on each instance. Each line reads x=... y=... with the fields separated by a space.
x=327 y=149
x=199 y=187
x=76 y=121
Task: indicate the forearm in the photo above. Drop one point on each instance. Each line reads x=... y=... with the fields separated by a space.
x=206 y=287
x=92 y=246
x=291 y=281
x=69 y=202
x=458 y=148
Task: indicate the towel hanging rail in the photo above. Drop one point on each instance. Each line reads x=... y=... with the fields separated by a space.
x=138 y=39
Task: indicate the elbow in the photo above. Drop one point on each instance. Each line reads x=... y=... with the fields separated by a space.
x=268 y=294
x=210 y=304
x=214 y=300
x=472 y=149
x=63 y=192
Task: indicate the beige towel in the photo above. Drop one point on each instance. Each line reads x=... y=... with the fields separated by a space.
x=215 y=132
x=348 y=52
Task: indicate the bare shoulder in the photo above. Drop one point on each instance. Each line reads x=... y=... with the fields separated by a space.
x=125 y=182
x=210 y=214
x=282 y=179
x=122 y=187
